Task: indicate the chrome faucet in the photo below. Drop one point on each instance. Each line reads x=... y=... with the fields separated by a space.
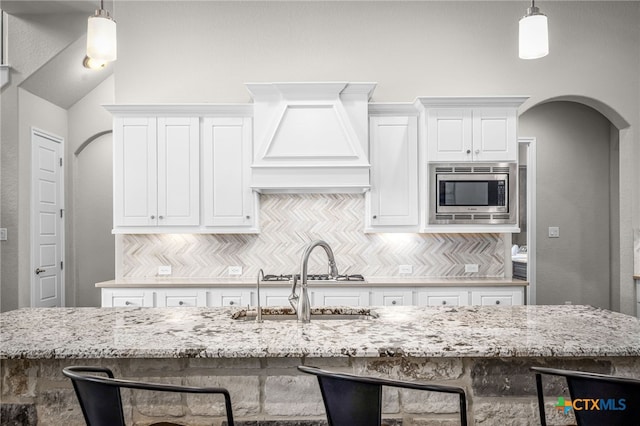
x=303 y=308
x=259 y=313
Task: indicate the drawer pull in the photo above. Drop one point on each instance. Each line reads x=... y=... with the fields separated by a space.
x=497 y=302
x=181 y=303
x=444 y=302
x=394 y=302
x=127 y=303
x=231 y=303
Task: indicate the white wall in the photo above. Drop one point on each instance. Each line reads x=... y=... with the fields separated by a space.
x=45 y=116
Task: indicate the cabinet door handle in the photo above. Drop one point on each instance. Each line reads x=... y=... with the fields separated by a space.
x=375 y=217
x=248 y=217
x=477 y=151
x=153 y=217
x=160 y=217
x=468 y=151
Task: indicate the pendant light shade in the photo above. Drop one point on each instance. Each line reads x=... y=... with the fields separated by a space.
x=534 y=34
x=101 y=37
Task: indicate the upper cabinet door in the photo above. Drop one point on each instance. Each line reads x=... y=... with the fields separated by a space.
x=494 y=134
x=449 y=134
x=228 y=198
x=178 y=171
x=135 y=173
x=394 y=172
x=471 y=134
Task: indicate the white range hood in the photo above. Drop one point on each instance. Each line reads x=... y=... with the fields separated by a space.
x=310 y=137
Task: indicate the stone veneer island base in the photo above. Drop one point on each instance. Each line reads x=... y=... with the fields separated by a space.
x=486 y=350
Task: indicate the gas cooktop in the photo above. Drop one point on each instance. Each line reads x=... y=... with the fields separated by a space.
x=315 y=277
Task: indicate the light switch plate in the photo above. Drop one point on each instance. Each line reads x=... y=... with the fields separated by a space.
x=554 y=232
x=3 y=234
x=164 y=270
x=471 y=267
x=405 y=269
x=235 y=270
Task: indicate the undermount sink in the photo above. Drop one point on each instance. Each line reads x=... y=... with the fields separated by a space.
x=287 y=314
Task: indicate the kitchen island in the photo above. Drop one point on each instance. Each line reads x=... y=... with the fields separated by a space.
x=485 y=349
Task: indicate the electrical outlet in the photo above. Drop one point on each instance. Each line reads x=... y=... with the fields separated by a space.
x=3 y=234
x=235 y=270
x=471 y=267
x=554 y=232
x=405 y=269
x=164 y=270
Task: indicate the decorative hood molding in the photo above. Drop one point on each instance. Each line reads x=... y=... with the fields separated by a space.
x=310 y=137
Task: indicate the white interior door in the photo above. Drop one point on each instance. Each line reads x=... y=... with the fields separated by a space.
x=47 y=239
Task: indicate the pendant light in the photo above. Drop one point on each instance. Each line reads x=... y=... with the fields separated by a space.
x=101 y=36
x=534 y=34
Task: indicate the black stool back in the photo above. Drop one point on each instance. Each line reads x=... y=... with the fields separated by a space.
x=352 y=400
x=101 y=401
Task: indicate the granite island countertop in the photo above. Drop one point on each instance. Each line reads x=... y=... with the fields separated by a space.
x=464 y=331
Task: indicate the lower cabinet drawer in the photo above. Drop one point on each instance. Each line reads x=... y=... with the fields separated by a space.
x=177 y=301
x=443 y=298
x=126 y=301
x=497 y=298
x=127 y=298
x=339 y=297
x=181 y=298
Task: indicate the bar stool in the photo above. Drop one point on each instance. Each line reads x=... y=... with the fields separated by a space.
x=100 y=399
x=351 y=400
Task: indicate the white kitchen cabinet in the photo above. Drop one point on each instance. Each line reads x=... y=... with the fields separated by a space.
x=443 y=297
x=498 y=297
x=156 y=171
x=128 y=298
x=227 y=195
x=472 y=134
x=329 y=296
x=393 y=199
x=271 y=296
x=460 y=129
x=236 y=297
x=386 y=296
x=174 y=298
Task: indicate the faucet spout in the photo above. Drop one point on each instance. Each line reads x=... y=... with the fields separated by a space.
x=259 y=312
x=303 y=310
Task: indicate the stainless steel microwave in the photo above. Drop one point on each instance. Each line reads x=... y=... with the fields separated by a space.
x=468 y=193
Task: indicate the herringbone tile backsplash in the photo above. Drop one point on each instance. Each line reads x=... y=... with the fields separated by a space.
x=289 y=222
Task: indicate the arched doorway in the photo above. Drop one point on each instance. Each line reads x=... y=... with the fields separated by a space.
x=577 y=191
x=94 y=245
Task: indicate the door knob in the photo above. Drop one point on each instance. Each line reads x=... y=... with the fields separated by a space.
x=39 y=270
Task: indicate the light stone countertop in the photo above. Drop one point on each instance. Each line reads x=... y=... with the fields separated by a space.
x=369 y=282
x=465 y=331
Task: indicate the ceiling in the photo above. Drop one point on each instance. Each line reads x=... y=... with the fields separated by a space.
x=62 y=80
x=29 y=7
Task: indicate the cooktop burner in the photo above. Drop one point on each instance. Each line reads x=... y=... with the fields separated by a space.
x=315 y=277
